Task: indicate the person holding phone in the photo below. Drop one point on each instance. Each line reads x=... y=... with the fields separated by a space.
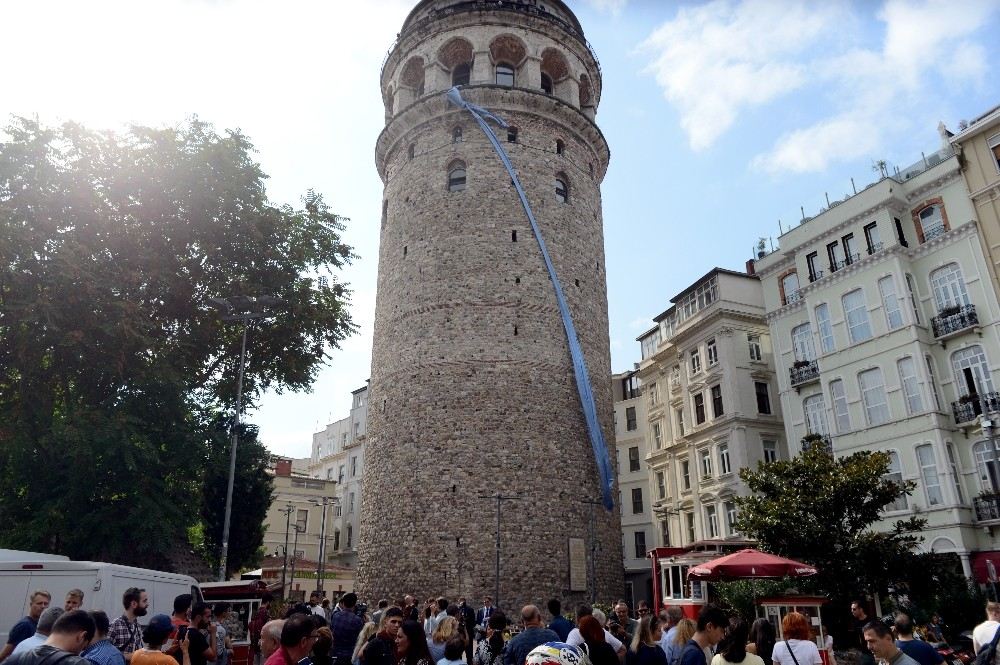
x=201 y=648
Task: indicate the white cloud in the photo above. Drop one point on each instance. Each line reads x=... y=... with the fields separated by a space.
x=613 y=7
x=715 y=60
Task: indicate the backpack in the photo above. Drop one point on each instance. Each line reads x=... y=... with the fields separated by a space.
x=987 y=654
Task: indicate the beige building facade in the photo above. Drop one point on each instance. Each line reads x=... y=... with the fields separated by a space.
x=338 y=455
x=885 y=320
x=711 y=397
x=978 y=146
x=632 y=443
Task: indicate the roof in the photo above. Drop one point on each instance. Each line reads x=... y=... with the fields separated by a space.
x=710 y=273
x=977 y=125
x=558 y=4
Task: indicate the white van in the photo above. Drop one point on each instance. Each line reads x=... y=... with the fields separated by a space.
x=103 y=585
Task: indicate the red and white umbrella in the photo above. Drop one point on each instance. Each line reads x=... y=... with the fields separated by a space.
x=747 y=565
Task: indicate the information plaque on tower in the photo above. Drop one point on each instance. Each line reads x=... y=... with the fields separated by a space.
x=577 y=565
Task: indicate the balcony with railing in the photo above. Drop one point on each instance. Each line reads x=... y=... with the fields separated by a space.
x=844 y=262
x=954 y=321
x=987 y=507
x=970 y=407
x=803 y=372
x=874 y=248
x=934 y=232
x=794 y=296
x=815 y=275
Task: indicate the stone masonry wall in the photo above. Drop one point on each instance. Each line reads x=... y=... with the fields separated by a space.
x=472 y=388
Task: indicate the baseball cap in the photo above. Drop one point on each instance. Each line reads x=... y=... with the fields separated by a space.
x=160 y=623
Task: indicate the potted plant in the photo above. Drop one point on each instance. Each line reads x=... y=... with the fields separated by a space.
x=761 y=247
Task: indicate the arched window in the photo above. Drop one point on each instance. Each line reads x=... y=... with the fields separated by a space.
x=560 y=146
x=986 y=468
x=456 y=135
x=460 y=74
x=802 y=343
x=931 y=222
x=456 y=177
x=814 y=409
x=505 y=74
x=790 y=287
x=972 y=371
x=546 y=84
x=948 y=287
x=512 y=135
x=895 y=474
x=562 y=189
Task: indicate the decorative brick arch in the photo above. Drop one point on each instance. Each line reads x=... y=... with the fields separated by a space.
x=508 y=48
x=554 y=64
x=915 y=212
x=586 y=94
x=413 y=75
x=456 y=51
x=781 y=283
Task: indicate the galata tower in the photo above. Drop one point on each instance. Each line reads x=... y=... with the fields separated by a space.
x=472 y=384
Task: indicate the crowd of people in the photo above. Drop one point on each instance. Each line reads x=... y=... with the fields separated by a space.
x=443 y=633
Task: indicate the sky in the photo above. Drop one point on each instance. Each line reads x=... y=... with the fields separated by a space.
x=725 y=119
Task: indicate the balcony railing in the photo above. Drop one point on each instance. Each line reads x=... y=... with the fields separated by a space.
x=987 y=507
x=954 y=320
x=815 y=274
x=794 y=296
x=934 y=233
x=803 y=372
x=844 y=262
x=969 y=408
x=874 y=247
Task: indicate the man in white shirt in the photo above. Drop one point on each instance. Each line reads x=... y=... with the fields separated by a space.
x=984 y=632
x=576 y=639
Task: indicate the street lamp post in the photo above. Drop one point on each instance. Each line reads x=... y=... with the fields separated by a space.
x=243 y=309
x=499 y=498
x=295 y=550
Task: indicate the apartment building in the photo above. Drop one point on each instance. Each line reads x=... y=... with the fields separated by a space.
x=296 y=513
x=632 y=444
x=338 y=455
x=978 y=145
x=884 y=318
x=709 y=386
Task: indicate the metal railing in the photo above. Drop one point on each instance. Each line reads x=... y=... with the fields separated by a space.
x=815 y=274
x=987 y=507
x=950 y=322
x=844 y=262
x=800 y=374
x=934 y=233
x=874 y=247
x=970 y=407
x=794 y=296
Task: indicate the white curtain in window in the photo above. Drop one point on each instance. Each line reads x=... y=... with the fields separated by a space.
x=873 y=396
x=842 y=417
x=929 y=474
x=815 y=413
x=949 y=287
x=895 y=474
x=802 y=342
x=858 y=326
x=890 y=303
x=911 y=388
x=826 y=343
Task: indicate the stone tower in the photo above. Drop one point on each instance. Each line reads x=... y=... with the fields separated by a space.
x=472 y=389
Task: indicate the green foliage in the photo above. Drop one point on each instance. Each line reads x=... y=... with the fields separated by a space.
x=741 y=595
x=252 y=484
x=820 y=510
x=111 y=246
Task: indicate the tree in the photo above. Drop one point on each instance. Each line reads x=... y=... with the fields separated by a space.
x=820 y=509
x=111 y=246
x=253 y=486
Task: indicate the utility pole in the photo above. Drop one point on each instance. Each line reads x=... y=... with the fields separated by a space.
x=284 y=567
x=320 y=569
x=499 y=498
x=295 y=547
x=243 y=309
x=592 y=568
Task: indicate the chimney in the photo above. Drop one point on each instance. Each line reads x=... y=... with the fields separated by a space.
x=750 y=267
x=283 y=467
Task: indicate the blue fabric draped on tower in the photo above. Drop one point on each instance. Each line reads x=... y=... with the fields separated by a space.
x=583 y=386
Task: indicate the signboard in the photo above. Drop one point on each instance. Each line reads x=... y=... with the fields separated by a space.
x=577 y=564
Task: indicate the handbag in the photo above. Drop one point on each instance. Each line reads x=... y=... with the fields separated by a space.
x=788 y=645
